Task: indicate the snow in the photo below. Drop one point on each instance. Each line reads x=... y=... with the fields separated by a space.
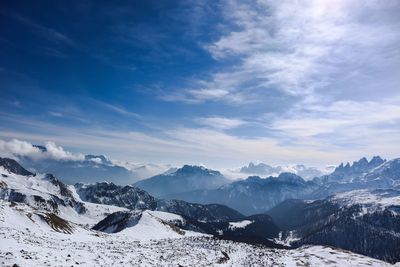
x=28 y=239
x=241 y=224
x=371 y=200
x=94 y=212
x=31 y=242
x=153 y=225
x=28 y=185
x=26 y=243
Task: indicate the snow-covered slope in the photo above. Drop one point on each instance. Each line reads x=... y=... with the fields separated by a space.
x=143 y=225
x=363 y=221
x=87 y=248
x=44 y=192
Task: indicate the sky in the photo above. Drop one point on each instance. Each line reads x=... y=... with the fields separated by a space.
x=218 y=83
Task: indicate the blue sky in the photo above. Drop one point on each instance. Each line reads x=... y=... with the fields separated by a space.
x=213 y=82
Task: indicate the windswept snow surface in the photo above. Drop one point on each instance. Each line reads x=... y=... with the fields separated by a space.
x=154 y=225
x=241 y=224
x=30 y=242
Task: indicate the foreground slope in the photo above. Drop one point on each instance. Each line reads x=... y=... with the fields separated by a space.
x=25 y=244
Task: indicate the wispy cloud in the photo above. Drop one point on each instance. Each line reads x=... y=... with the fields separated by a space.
x=343 y=123
x=49 y=33
x=300 y=48
x=220 y=122
x=117 y=109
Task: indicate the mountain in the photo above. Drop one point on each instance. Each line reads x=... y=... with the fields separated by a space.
x=46 y=222
x=128 y=196
x=262 y=169
x=187 y=178
x=133 y=198
x=90 y=169
x=37 y=190
x=254 y=194
x=13 y=166
x=352 y=172
x=362 y=174
x=362 y=221
x=73 y=168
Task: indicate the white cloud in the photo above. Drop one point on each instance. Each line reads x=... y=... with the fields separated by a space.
x=57 y=152
x=15 y=148
x=300 y=48
x=96 y=160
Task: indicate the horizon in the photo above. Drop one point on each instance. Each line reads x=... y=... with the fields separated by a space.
x=218 y=84
x=17 y=149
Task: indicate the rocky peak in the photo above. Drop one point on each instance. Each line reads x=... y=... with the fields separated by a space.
x=14 y=167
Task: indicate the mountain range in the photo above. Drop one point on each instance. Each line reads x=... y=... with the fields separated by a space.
x=87 y=168
x=262 y=169
x=279 y=212
x=258 y=195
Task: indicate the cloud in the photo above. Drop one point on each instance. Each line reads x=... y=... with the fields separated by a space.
x=47 y=32
x=343 y=123
x=16 y=148
x=57 y=152
x=300 y=48
x=220 y=122
x=116 y=109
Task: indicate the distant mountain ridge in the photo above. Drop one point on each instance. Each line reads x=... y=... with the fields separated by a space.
x=257 y=195
x=262 y=169
x=88 y=168
x=362 y=174
x=187 y=178
x=254 y=194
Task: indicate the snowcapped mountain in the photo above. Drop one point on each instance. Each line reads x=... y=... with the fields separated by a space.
x=362 y=174
x=262 y=169
x=363 y=221
x=254 y=194
x=42 y=191
x=187 y=178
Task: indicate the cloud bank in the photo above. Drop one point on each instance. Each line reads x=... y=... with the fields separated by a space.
x=16 y=148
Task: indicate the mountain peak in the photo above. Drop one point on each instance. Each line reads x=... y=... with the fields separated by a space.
x=194 y=169
x=41 y=148
x=290 y=177
x=376 y=161
x=361 y=165
x=14 y=167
